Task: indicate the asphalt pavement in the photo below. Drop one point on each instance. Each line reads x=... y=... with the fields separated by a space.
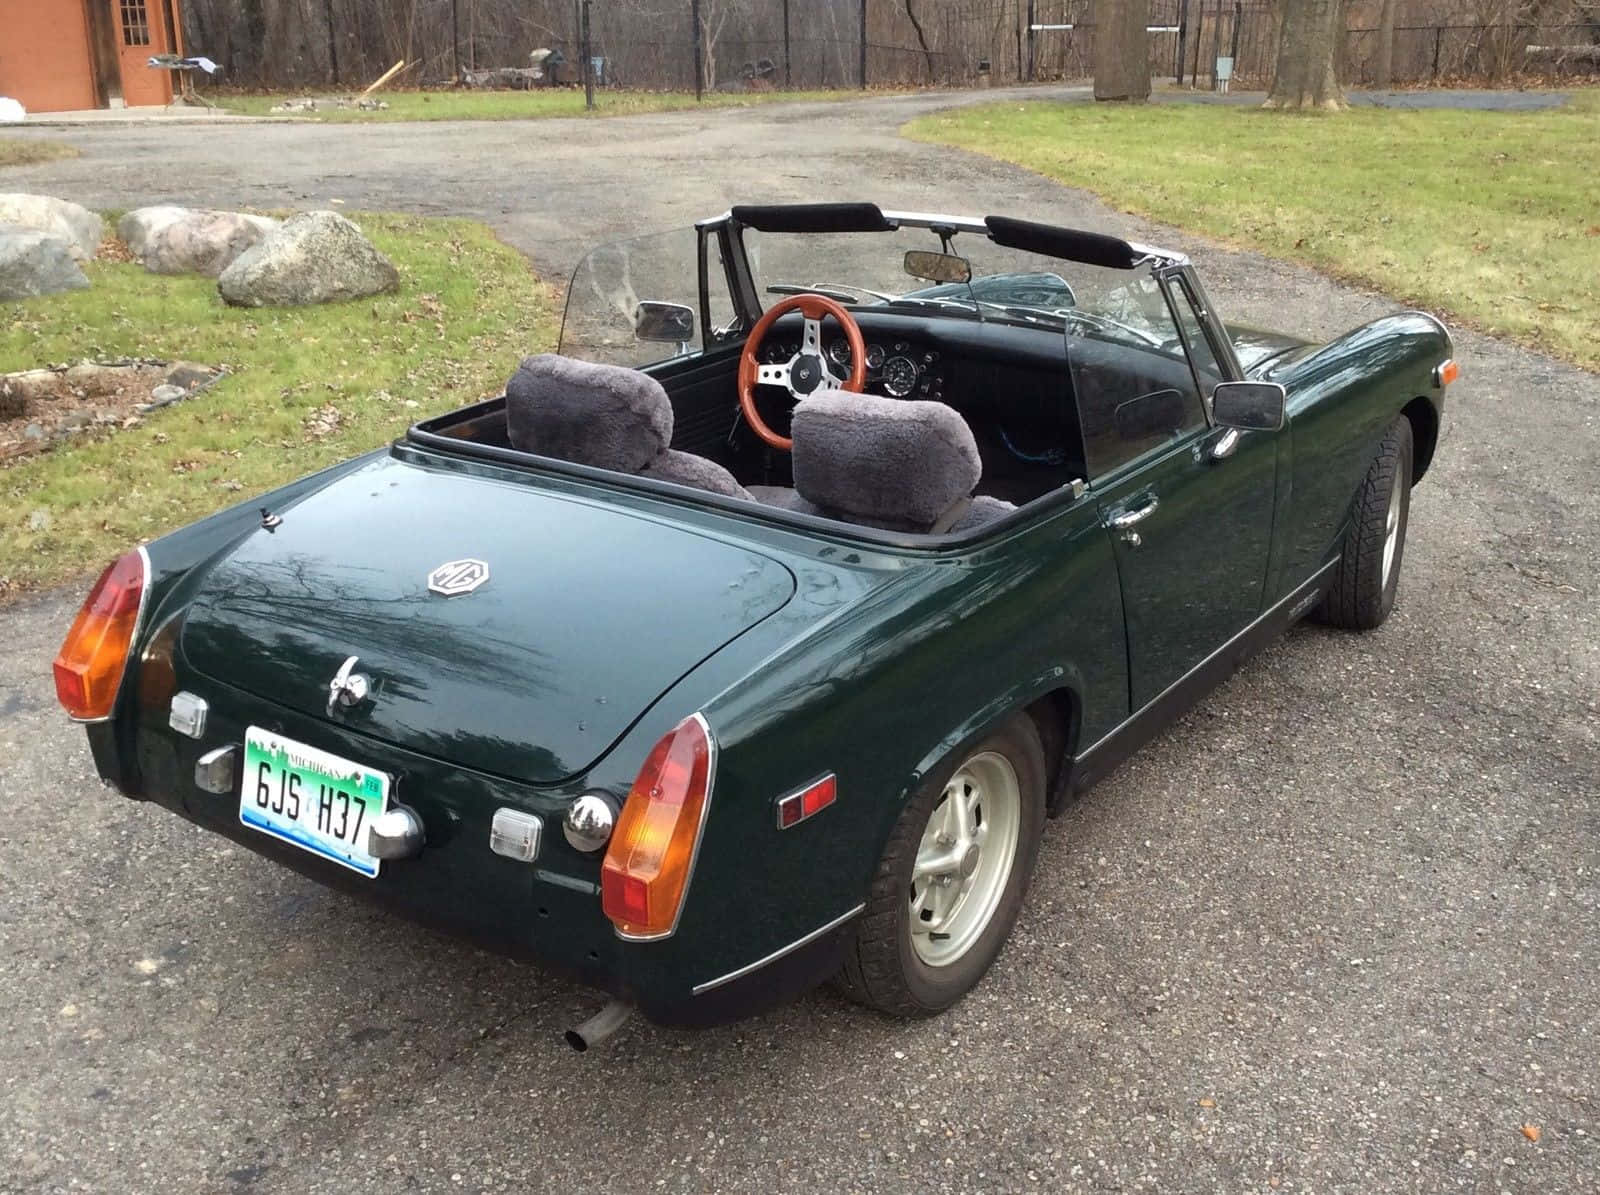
x=1337 y=931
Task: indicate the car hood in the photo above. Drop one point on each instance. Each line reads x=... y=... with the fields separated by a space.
x=588 y=615
x=1255 y=347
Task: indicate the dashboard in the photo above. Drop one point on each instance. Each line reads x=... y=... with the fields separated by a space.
x=895 y=368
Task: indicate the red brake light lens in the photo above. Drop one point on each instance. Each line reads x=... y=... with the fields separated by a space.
x=91 y=662
x=646 y=871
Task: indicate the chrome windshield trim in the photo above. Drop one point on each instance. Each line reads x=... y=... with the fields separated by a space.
x=776 y=954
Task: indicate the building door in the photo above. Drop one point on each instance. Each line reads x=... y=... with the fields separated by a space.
x=44 y=55
x=140 y=27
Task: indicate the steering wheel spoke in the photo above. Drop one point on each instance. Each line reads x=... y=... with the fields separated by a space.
x=773 y=375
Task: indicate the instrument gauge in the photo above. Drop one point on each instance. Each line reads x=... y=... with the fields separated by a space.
x=899 y=377
x=839 y=352
x=875 y=356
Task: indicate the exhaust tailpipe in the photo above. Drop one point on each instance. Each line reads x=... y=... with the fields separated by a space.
x=598 y=1027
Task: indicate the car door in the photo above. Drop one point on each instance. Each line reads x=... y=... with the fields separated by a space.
x=1188 y=506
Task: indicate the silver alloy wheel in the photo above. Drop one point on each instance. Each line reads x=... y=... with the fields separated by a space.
x=965 y=857
x=1391 y=525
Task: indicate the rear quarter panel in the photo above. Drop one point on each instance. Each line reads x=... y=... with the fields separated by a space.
x=1341 y=399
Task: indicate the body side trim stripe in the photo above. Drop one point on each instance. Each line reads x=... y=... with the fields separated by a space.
x=776 y=954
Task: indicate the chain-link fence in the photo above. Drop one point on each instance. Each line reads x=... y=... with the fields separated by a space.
x=770 y=44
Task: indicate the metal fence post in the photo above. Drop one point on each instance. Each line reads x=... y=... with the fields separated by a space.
x=787 y=82
x=863 y=64
x=1183 y=36
x=699 y=67
x=1032 y=21
x=587 y=49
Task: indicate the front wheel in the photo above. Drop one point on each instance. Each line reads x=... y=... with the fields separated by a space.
x=950 y=884
x=1368 y=573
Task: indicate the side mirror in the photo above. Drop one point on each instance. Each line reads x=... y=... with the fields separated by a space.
x=670 y=323
x=937 y=267
x=1249 y=406
x=1159 y=413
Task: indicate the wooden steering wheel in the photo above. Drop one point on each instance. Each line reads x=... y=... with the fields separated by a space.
x=808 y=370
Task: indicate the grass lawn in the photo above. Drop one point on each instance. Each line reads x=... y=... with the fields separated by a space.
x=1489 y=217
x=25 y=151
x=309 y=386
x=525 y=105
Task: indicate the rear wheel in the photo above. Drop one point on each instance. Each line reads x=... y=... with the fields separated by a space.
x=1368 y=573
x=952 y=877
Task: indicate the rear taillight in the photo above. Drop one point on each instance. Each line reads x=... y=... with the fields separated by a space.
x=90 y=665
x=646 y=870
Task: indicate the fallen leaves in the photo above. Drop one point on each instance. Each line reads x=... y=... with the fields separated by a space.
x=1531 y=1132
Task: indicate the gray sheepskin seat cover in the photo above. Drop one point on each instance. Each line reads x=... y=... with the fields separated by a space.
x=604 y=416
x=886 y=462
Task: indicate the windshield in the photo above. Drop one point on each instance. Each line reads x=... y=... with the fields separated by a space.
x=867 y=269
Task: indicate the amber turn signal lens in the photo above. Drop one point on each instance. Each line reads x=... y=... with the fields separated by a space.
x=91 y=662
x=646 y=870
x=1446 y=372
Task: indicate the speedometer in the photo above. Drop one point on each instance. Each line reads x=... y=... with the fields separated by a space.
x=899 y=376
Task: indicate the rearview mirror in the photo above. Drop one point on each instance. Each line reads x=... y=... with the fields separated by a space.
x=1249 y=406
x=937 y=267
x=670 y=323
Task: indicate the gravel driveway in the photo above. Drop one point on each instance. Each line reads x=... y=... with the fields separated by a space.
x=1337 y=931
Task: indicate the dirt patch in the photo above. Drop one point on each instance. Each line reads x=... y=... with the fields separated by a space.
x=41 y=407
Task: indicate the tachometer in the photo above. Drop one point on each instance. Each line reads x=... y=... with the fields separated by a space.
x=839 y=352
x=899 y=377
x=874 y=356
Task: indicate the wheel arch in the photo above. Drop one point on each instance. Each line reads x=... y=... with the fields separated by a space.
x=1424 y=419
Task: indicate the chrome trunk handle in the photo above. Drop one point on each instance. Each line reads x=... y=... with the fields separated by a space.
x=1122 y=520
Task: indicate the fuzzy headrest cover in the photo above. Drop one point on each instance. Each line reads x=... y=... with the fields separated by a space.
x=883 y=460
x=605 y=416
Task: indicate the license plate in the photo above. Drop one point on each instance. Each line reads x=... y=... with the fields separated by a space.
x=319 y=802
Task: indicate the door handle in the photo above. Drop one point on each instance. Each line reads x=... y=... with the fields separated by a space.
x=1123 y=522
x=1136 y=514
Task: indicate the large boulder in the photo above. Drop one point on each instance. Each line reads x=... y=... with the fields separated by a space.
x=76 y=225
x=177 y=240
x=36 y=263
x=317 y=257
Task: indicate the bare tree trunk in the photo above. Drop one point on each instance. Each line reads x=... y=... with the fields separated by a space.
x=1383 y=75
x=1307 y=74
x=922 y=38
x=1121 y=50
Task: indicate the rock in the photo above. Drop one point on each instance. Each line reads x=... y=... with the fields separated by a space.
x=93 y=380
x=166 y=392
x=76 y=225
x=187 y=375
x=33 y=432
x=175 y=240
x=312 y=258
x=11 y=111
x=138 y=226
x=77 y=419
x=36 y=263
x=40 y=520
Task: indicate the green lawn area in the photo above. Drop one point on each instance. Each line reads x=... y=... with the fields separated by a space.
x=309 y=386
x=525 y=105
x=25 y=151
x=1487 y=217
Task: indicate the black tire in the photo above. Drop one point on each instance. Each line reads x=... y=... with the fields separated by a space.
x=882 y=968
x=1362 y=593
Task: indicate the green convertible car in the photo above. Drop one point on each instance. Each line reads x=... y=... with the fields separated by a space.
x=751 y=641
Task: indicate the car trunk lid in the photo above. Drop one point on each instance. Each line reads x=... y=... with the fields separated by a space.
x=589 y=613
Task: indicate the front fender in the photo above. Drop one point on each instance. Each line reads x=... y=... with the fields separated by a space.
x=1341 y=400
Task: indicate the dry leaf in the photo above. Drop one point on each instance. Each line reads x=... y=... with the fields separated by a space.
x=1531 y=1132
x=1208 y=1102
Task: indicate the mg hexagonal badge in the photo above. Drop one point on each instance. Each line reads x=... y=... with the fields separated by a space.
x=456 y=577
